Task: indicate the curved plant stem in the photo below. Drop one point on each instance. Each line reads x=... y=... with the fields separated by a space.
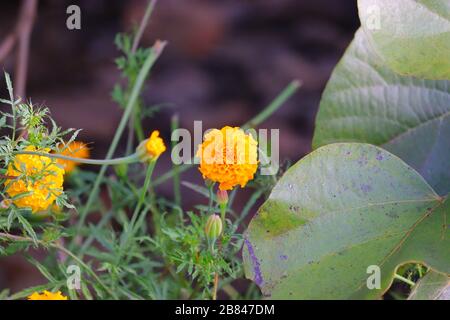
x=144 y=190
x=143 y=25
x=223 y=211
x=134 y=124
x=149 y=62
x=274 y=105
x=403 y=279
x=174 y=124
x=129 y=159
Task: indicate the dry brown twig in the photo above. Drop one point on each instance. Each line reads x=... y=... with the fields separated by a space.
x=25 y=27
x=7 y=46
x=20 y=37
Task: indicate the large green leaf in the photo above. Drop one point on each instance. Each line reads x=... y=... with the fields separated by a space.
x=433 y=286
x=339 y=210
x=365 y=101
x=412 y=36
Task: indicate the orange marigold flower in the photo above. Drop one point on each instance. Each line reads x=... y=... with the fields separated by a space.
x=38 y=177
x=47 y=295
x=76 y=149
x=229 y=157
x=151 y=148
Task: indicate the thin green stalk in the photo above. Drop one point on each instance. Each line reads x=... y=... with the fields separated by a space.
x=274 y=105
x=171 y=173
x=138 y=125
x=223 y=211
x=143 y=24
x=255 y=196
x=211 y=197
x=232 y=196
x=176 y=173
x=149 y=62
x=132 y=228
x=134 y=122
x=403 y=279
x=13 y=104
x=129 y=159
x=144 y=190
x=419 y=269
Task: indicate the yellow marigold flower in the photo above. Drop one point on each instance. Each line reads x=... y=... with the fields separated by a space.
x=47 y=295
x=39 y=176
x=151 y=148
x=229 y=157
x=76 y=149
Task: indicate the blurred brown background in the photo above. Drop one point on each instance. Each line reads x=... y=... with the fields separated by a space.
x=225 y=61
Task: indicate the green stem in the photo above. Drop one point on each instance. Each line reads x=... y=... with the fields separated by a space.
x=138 y=125
x=403 y=279
x=129 y=159
x=211 y=197
x=176 y=173
x=274 y=105
x=145 y=188
x=149 y=62
x=134 y=121
x=133 y=226
x=171 y=173
x=223 y=211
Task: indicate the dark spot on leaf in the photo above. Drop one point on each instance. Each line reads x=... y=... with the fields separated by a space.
x=379 y=156
x=283 y=257
x=366 y=188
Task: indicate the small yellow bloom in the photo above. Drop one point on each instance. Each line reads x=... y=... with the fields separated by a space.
x=76 y=149
x=229 y=157
x=155 y=145
x=47 y=295
x=39 y=176
x=151 y=148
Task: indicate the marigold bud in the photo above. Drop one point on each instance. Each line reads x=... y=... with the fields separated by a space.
x=213 y=227
x=151 y=148
x=222 y=197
